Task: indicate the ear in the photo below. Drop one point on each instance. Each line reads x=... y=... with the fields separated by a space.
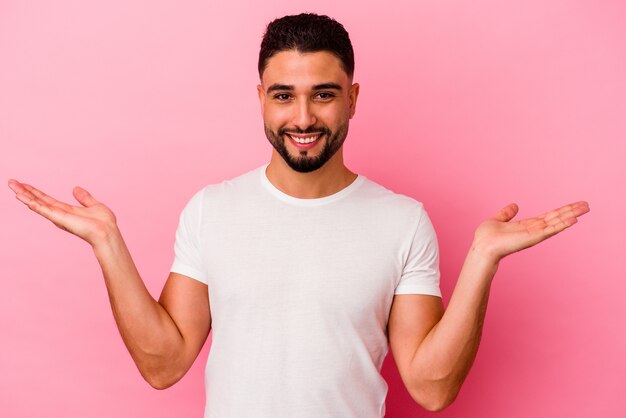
x=354 y=94
x=261 y=93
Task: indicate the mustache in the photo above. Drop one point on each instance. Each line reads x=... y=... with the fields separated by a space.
x=310 y=130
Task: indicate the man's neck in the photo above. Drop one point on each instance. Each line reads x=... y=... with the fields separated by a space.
x=331 y=178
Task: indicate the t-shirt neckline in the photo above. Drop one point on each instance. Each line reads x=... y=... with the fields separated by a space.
x=307 y=202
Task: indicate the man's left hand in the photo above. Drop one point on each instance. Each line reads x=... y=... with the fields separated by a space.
x=499 y=236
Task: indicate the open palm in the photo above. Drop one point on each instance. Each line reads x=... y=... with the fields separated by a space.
x=91 y=221
x=501 y=236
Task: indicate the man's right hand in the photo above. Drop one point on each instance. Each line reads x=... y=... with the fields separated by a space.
x=92 y=221
x=164 y=337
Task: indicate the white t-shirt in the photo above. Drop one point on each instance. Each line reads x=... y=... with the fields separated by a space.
x=300 y=292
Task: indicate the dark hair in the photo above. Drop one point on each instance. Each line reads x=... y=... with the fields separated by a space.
x=307 y=32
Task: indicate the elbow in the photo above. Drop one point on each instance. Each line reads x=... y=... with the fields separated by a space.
x=159 y=384
x=160 y=376
x=158 y=370
x=437 y=404
x=160 y=381
x=435 y=396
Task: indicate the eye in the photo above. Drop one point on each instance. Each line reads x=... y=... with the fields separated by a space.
x=325 y=96
x=282 y=97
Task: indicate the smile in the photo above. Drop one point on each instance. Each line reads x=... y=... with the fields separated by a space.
x=304 y=139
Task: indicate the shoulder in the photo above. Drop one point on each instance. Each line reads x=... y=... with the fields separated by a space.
x=224 y=196
x=242 y=185
x=380 y=197
x=391 y=214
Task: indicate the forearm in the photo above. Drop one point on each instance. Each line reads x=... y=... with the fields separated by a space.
x=163 y=337
x=438 y=360
x=444 y=358
x=148 y=331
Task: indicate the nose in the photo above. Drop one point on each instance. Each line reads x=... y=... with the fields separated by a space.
x=304 y=116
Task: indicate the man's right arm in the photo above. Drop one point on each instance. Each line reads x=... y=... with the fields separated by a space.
x=163 y=337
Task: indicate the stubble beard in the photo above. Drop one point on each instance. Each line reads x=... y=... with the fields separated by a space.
x=304 y=163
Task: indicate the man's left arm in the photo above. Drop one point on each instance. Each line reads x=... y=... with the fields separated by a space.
x=433 y=350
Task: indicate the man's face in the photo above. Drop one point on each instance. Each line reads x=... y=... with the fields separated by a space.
x=307 y=101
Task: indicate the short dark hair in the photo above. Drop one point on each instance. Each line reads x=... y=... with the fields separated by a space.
x=307 y=32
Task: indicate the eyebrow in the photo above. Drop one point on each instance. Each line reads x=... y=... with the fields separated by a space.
x=276 y=87
x=327 y=86
x=286 y=87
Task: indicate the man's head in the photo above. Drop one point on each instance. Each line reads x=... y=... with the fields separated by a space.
x=307 y=32
x=306 y=92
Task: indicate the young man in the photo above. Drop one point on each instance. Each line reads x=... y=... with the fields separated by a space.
x=305 y=271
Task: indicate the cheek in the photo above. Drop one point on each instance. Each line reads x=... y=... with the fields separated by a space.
x=275 y=116
x=334 y=117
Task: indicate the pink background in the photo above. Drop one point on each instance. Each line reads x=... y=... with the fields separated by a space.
x=465 y=106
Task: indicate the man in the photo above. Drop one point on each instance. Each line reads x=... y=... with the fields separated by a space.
x=305 y=271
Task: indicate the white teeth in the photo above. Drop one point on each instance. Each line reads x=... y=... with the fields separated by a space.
x=304 y=140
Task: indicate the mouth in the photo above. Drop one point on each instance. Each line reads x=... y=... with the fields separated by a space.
x=304 y=141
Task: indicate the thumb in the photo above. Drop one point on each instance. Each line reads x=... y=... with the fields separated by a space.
x=507 y=213
x=83 y=197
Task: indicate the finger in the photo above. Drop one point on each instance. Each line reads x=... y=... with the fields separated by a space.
x=16 y=186
x=84 y=197
x=39 y=194
x=558 y=226
x=507 y=213
x=49 y=200
x=19 y=189
x=55 y=215
x=30 y=191
x=568 y=218
x=13 y=184
x=580 y=208
x=573 y=209
x=555 y=213
x=554 y=221
x=564 y=217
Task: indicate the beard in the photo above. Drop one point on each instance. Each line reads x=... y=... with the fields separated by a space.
x=304 y=163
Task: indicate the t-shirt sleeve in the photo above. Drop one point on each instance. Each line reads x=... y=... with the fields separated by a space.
x=188 y=255
x=420 y=274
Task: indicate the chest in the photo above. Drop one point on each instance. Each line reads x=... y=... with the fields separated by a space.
x=277 y=267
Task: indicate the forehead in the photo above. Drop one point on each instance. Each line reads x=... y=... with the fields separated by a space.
x=303 y=68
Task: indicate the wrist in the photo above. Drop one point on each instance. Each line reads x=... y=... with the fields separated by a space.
x=484 y=255
x=105 y=239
